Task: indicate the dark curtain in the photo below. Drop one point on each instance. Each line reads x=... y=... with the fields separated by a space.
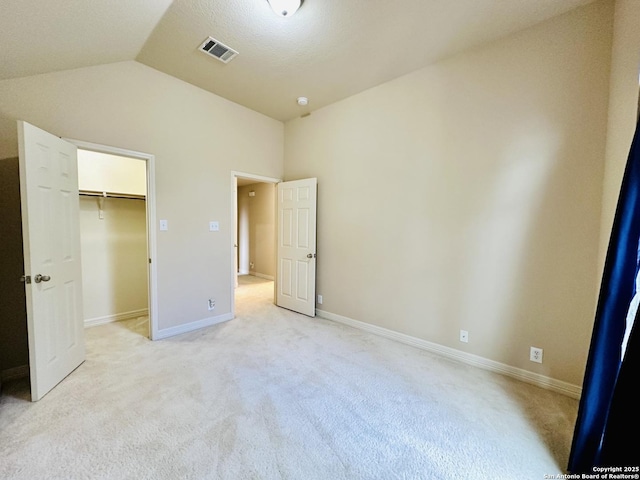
x=608 y=413
x=624 y=416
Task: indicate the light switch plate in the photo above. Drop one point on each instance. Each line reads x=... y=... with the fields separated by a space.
x=164 y=225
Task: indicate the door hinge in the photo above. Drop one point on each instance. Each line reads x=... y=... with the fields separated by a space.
x=25 y=278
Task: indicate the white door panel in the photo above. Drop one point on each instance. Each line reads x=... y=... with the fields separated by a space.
x=51 y=238
x=296 y=272
x=235 y=232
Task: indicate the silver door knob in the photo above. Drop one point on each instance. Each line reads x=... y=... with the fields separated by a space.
x=41 y=278
x=311 y=255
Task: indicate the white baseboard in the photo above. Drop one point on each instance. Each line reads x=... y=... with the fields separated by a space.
x=190 y=327
x=568 y=389
x=118 y=317
x=14 y=373
x=262 y=275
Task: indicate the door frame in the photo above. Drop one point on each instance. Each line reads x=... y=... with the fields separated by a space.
x=234 y=226
x=150 y=205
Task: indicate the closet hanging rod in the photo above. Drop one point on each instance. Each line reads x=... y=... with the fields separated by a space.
x=96 y=193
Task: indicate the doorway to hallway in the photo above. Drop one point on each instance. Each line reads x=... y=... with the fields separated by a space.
x=255 y=234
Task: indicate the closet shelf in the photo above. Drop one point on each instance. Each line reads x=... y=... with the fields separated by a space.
x=96 y=193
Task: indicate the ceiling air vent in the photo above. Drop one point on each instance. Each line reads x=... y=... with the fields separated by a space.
x=213 y=47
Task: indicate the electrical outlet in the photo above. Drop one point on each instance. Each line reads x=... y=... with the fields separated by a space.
x=464 y=336
x=535 y=355
x=319 y=299
x=211 y=304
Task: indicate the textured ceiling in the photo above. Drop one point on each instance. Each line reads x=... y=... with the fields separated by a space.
x=327 y=51
x=41 y=36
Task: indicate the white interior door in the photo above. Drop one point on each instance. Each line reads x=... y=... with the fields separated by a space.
x=235 y=231
x=53 y=275
x=296 y=270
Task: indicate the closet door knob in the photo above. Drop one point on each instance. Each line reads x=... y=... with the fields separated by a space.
x=41 y=278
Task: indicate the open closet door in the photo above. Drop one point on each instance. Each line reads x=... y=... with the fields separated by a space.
x=51 y=242
x=296 y=270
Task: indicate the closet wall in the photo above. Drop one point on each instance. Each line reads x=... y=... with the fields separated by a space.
x=113 y=237
x=256 y=230
x=14 y=348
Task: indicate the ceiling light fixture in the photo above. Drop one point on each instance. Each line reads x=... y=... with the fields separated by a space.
x=285 y=8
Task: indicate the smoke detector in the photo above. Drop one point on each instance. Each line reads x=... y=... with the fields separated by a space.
x=218 y=50
x=302 y=101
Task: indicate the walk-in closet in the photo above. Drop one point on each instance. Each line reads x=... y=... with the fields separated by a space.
x=113 y=237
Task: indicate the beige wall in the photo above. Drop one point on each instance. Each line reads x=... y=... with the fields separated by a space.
x=623 y=109
x=467 y=195
x=111 y=173
x=197 y=139
x=114 y=258
x=260 y=233
x=243 y=232
x=14 y=348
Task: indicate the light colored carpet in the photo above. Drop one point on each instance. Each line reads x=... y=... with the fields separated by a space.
x=276 y=395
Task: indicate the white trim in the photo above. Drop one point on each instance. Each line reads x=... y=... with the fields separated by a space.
x=262 y=275
x=190 y=327
x=118 y=317
x=153 y=247
x=573 y=391
x=15 y=373
x=234 y=213
x=257 y=178
x=151 y=220
x=96 y=147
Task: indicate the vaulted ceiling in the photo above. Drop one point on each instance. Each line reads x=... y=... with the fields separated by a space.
x=327 y=51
